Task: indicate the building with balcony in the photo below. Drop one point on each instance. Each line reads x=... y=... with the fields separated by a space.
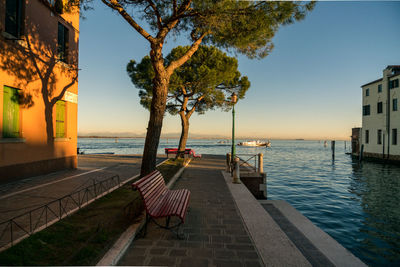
x=38 y=87
x=381 y=116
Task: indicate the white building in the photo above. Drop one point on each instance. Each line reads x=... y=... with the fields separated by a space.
x=381 y=116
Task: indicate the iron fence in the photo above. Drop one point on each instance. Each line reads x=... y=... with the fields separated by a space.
x=19 y=227
x=246 y=162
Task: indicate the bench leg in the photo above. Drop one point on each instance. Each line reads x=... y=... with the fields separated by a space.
x=146 y=221
x=179 y=234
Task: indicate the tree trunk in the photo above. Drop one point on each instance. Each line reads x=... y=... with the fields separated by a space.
x=157 y=110
x=184 y=135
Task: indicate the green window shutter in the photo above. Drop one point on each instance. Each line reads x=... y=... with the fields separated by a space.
x=60 y=119
x=10 y=113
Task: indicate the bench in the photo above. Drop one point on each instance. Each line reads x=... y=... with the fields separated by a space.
x=161 y=202
x=188 y=151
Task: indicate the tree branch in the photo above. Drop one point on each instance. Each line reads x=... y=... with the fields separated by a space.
x=175 y=8
x=177 y=14
x=114 y=4
x=179 y=62
x=159 y=19
x=190 y=112
x=183 y=90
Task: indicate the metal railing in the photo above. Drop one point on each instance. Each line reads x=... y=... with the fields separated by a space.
x=246 y=159
x=20 y=227
x=245 y=162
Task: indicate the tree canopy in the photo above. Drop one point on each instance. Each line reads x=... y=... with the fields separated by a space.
x=209 y=75
x=246 y=27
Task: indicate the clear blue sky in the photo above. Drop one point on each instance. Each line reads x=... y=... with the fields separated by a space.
x=308 y=87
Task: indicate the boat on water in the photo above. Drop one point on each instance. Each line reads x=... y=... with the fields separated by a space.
x=255 y=143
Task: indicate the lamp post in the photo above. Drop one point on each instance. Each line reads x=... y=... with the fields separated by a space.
x=233 y=101
x=235 y=161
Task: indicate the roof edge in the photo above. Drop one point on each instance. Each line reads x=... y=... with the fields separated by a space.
x=378 y=80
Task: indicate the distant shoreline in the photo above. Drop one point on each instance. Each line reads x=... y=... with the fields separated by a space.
x=112 y=137
x=205 y=138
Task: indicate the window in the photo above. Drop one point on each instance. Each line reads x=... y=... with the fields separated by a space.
x=367 y=92
x=379 y=88
x=394 y=84
x=60 y=119
x=366 y=110
x=366 y=136
x=379 y=137
x=10 y=113
x=62 y=48
x=380 y=107
x=13 y=21
x=394 y=104
x=394 y=136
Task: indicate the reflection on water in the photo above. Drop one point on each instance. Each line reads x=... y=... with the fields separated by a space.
x=358 y=205
x=378 y=187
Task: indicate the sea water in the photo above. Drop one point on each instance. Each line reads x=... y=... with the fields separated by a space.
x=357 y=204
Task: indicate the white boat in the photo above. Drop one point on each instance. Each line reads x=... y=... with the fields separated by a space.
x=255 y=143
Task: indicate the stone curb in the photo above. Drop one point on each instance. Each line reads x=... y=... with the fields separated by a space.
x=273 y=246
x=115 y=253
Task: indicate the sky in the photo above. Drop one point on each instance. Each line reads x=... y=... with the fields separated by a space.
x=307 y=87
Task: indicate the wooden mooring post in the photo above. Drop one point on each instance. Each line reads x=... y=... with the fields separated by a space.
x=333 y=149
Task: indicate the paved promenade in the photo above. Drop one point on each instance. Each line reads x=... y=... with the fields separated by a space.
x=215 y=232
x=227 y=226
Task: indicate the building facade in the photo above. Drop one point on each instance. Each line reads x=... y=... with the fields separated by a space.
x=38 y=87
x=381 y=116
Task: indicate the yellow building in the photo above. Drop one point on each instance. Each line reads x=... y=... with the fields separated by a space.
x=38 y=87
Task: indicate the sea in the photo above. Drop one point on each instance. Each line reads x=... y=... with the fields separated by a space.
x=358 y=204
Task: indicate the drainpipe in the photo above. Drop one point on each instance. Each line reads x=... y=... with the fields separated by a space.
x=383 y=146
x=386 y=73
x=388 y=117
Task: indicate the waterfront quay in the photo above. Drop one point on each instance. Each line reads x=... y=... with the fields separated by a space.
x=227 y=226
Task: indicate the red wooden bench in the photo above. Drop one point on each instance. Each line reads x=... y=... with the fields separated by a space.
x=161 y=202
x=188 y=151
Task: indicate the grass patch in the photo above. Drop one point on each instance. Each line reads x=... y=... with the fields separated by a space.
x=84 y=237
x=170 y=167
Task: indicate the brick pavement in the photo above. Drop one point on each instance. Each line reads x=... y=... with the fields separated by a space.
x=215 y=234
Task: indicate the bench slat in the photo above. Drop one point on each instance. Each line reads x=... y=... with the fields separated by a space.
x=169 y=209
x=149 y=191
x=148 y=182
x=159 y=200
x=175 y=205
x=156 y=198
x=185 y=205
x=146 y=179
